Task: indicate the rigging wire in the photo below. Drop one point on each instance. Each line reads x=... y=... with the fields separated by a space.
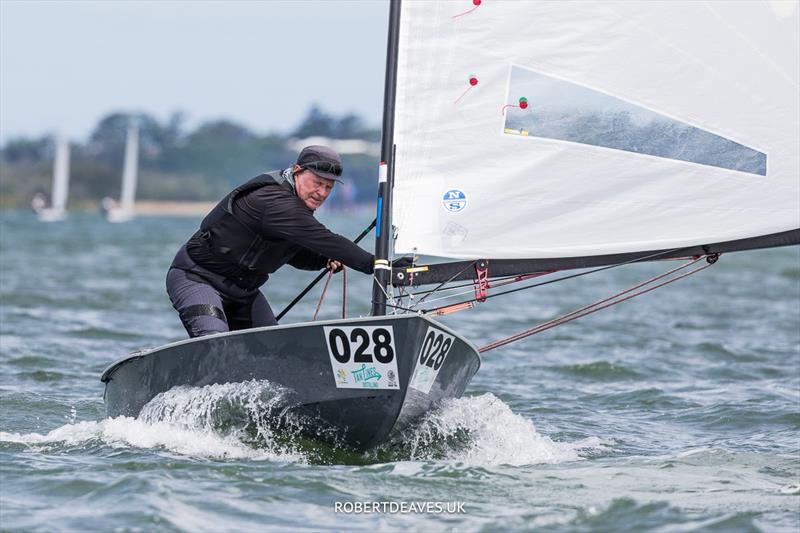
x=571 y=276
x=495 y=282
x=505 y=281
x=386 y=294
x=454 y=276
x=605 y=303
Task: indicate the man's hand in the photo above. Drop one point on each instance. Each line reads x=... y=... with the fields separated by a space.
x=334 y=265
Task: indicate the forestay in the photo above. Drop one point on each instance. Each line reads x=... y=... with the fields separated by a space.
x=552 y=129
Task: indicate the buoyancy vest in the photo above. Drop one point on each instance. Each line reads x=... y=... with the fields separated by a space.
x=227 y=246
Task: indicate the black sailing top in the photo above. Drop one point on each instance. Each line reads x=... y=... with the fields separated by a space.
x=263 y=225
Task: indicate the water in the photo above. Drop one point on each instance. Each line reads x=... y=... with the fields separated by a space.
x=678 y=411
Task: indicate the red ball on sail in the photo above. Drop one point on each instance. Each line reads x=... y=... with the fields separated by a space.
x=523 y=105
x=476 y=2
x=473 y=80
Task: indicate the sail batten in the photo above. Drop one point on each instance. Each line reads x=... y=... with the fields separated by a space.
x=533 y=130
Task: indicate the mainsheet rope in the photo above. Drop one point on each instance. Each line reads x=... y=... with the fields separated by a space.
x=606 y=302
x=322 y=296
x=325 y=288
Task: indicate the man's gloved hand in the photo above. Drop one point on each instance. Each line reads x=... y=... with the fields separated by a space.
x=334 y=265
x=403 y=262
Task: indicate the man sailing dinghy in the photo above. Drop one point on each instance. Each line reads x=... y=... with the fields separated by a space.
x=257 y=228
x=523 y=138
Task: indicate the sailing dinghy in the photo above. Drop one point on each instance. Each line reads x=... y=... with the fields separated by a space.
x=58 y=208
x=125 y=211
x=521 y=139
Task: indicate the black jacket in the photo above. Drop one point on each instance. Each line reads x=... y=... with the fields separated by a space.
x=263 y=225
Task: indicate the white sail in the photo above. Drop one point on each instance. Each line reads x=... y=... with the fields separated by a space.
x=529 y=129
x=58 y=207
x=125 y=211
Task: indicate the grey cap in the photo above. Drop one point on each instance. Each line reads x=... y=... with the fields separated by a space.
x=322 y=161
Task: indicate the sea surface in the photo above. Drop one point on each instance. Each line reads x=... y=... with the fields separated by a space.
x=677 y=411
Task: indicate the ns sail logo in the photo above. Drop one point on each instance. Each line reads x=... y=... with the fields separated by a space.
x=454 y=200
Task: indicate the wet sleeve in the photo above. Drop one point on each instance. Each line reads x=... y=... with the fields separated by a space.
x=286 y=217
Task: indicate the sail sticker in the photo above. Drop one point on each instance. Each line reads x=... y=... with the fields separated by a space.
x=454 y=200
x=435 y=347
x=362 y=357
x=570 y=112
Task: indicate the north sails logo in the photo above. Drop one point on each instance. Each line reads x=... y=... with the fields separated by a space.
x=454 y=200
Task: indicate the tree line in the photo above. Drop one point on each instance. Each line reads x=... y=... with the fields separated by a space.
x=176 y=164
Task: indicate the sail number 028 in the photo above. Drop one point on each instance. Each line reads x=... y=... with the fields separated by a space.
x=434 y=349
x=361 y=346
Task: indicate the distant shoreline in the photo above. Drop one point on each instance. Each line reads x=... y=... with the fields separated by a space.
x=153 y=208
x=178 y=209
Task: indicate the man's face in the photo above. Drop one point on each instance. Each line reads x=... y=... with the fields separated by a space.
x=312 y=189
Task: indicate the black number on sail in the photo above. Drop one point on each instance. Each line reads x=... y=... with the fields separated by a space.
x=340 y=353
x=383 y=347
x=356 y=335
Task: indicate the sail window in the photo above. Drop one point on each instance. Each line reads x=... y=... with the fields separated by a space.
x=543 y=106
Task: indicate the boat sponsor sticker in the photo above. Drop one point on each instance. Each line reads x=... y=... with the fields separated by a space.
x=454 y=200
x=362 y=357
x=435 y=347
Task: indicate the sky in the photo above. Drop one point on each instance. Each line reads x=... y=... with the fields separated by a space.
x=262 y=63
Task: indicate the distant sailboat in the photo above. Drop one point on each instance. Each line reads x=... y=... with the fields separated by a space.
x=125 y=210
x=58 y=208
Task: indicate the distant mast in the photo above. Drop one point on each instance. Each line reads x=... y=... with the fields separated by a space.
x=58 y=208
x=125 y=211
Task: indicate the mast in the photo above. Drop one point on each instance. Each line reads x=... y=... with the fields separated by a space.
x=383 y=232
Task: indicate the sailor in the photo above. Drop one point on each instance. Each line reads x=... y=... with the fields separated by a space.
x=260 y=226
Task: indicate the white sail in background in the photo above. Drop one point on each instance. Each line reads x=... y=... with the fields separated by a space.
x=126 y=209
x=58 y=208
x=530 y=129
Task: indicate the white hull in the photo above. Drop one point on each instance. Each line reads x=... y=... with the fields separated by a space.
x=119 y=214
x=52 y=215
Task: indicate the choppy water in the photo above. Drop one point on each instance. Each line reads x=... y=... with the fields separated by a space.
x=678 y=411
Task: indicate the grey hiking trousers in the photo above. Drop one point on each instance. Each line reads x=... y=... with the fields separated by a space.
x=204 y=309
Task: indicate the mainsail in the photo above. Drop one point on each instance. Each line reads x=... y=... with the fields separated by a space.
x=58 y=207
x=126 y=209
x=565 y=132
x=61 y=175
x=130 y=170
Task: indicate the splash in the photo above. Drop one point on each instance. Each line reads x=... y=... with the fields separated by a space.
x=228 y=421
x=482 y=431
x=225 y=409
x=254 y=420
